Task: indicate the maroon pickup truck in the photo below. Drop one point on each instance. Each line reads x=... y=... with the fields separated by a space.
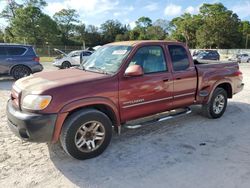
x=119 y=83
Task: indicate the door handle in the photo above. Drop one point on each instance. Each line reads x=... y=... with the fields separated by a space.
x=165 y=80
x=178 y=78
x=9 y=59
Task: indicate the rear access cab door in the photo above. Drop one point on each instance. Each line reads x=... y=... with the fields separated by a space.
x=150 y=93
x=184 y=75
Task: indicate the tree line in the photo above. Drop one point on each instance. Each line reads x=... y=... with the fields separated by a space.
x=214 y=26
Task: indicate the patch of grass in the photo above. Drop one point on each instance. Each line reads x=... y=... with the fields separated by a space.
x=46 y=59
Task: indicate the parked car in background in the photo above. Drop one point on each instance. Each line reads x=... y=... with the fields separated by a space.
x=74 y=58
x=244 y=58
x=18 y=60
x=240 y=58
x=206 y=55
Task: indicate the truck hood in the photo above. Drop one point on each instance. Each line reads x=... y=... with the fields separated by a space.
x=43 y=81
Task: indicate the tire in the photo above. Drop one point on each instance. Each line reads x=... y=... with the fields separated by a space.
x=66 y=65
x=217 y=105
x=20 y=71
x=76 y=136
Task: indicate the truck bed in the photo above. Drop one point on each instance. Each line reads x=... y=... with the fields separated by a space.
x=210 y=71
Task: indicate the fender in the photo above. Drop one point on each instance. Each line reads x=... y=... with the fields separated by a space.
x=64 y=112
x=216 y=84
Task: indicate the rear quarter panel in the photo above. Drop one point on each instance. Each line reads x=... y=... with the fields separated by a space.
x=212 y=75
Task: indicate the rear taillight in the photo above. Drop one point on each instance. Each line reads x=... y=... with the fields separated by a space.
x=36 y=59
x=238 y=73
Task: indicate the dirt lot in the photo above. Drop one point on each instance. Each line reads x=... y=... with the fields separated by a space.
x=191 y=151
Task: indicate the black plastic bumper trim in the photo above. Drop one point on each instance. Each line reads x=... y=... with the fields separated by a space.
x=30 y=126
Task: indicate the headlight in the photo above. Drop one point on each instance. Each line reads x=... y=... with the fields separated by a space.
x=36 y=102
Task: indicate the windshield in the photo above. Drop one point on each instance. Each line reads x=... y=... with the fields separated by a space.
x=203 y=54
x=107 y=59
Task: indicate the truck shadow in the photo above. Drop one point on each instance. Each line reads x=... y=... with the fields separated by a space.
x=6 y=83
x=139 y=153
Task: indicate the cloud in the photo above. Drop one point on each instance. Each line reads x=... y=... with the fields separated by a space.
x=172 y=10
x=242 y=9
x=152 y=7
x=89 y=7
x=132 y=25
x=123 y=11
x=116 y=14
x=192 y=10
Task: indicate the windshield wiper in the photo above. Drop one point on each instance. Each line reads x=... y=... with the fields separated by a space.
x=99 y=70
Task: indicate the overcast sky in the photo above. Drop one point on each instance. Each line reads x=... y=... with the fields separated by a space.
x=127 y=11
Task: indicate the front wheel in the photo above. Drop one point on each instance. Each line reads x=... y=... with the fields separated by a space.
x=217 y=105
x=66 y=65
x=86 y=134
x=20 y=71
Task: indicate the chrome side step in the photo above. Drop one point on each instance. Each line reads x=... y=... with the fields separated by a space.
x=159 y=118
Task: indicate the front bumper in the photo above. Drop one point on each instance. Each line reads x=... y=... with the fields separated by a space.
x=57 y=64
x=29 y=126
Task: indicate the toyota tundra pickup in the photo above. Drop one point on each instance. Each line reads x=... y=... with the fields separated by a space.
x=120 y=83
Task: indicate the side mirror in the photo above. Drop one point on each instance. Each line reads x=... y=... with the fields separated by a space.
x=134 y=70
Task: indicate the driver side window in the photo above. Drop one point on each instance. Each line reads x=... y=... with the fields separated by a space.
x=150 y=58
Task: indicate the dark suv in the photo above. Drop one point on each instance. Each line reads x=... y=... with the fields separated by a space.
x=206 y=55
x=18 y=60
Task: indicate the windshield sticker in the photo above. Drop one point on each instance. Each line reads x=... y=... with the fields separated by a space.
x=119 y=52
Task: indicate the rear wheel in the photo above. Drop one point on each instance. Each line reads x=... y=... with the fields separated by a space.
x=20 y=71
x=217 y=105
x=66 y=65
x=86 y=134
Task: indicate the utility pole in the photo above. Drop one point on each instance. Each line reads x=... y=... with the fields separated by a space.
x=83 y=45
x=247 y=40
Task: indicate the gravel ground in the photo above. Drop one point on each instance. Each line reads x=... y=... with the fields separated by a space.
x=191 y=151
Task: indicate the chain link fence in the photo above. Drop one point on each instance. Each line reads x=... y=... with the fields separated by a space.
x=48 y=50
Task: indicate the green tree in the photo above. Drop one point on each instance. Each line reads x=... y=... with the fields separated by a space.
x=110 y=29
x=143 y=22
x=122 y=37
x=8 y=35
x=185 y=28
x=32 y=26
x=142 y=25
x=80 y=33
x=245 y=33
x=66 y=20
x=155 y=33
x=9 y=10
x=35 y=3
x=1 y=36
x=134 y=34
x=164 y=24
x=220 y=28
x=92 y=36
